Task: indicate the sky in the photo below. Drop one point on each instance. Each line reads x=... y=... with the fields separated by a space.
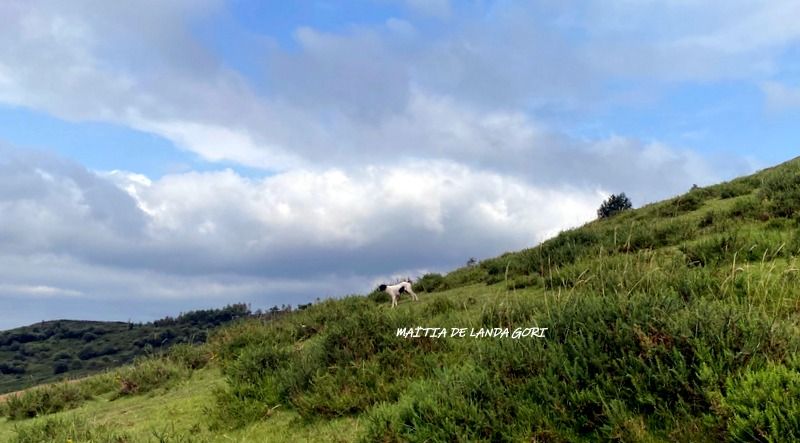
x=158 y=157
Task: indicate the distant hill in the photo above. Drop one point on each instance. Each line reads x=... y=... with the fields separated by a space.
x=56 y=349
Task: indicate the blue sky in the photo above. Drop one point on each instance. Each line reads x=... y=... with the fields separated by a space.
x=168 y=156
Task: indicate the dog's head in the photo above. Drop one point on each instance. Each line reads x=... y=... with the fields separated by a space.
x=382 y=287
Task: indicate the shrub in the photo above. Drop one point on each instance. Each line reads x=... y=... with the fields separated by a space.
x=441 y=305
x=379 y=297
x=712 y=251
x=146 y=375
x=431 y=283
x=707 y=219
x=764 y=405
x=12 y=368
x=745 y=207
x=614 y=205
x=680 y=205
x=60 y=367
x=46 y=400
x=782 y=192
x=464 y=401
x=189 y=356
x=734 y=189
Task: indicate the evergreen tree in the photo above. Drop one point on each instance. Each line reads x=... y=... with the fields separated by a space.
x=614 y=205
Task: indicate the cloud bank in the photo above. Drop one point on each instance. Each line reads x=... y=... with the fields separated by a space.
x=386 y=148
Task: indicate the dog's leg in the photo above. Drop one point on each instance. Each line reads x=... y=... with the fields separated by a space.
x=413 y=295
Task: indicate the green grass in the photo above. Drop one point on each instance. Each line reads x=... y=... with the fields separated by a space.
x=177 y=414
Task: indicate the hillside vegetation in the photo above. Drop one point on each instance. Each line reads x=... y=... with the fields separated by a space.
x=54 y=350
x=678 y=321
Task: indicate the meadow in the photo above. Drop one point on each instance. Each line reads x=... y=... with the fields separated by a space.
x=677 y=321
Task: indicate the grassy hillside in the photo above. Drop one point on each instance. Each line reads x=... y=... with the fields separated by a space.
x=53 y=350
x=678 y=321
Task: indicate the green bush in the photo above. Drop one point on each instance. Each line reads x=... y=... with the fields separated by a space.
x=460 y=403
x=431 y=283
x=146 y=375
x=734 y=189
x=680 y=205
x=615 y=204
x=764 y=405
x=379 y=297
x=782 y=192
x=189 y=355
x=46 y=400
x=746 y=208
x=348 y=366
x=712 y=251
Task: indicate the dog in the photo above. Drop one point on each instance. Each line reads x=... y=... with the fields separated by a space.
x=395 y=290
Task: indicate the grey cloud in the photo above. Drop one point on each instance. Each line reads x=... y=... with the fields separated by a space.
x=118 y=242
x=292 y=225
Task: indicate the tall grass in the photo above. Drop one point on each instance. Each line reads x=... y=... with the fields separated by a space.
x=67 y=429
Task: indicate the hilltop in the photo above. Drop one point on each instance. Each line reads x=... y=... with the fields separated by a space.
x=677 y=321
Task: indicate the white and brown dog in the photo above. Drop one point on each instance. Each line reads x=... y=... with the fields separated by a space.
x=395 y=290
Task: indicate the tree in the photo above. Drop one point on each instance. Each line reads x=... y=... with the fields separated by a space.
x=614 y=205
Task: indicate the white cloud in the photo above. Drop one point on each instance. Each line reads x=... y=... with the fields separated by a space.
x=392 y=149
x=37 y=291
x=291 y=237
x=369 y=93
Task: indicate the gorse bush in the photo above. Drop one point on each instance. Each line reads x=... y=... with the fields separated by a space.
x=781 y=191
x=148 y=374
x=735 y=188
x=190 y=356
x=378 y=296
x=345 y=367
x=465 y=401
x=45 y=400
x=608 y=363
x=764 y=405
x=431 y=283
x=685 y=203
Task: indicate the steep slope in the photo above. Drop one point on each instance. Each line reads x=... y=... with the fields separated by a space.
x=677 y=321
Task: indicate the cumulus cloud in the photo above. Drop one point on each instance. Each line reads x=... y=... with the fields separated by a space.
x=387 y=149
x=73 y=234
